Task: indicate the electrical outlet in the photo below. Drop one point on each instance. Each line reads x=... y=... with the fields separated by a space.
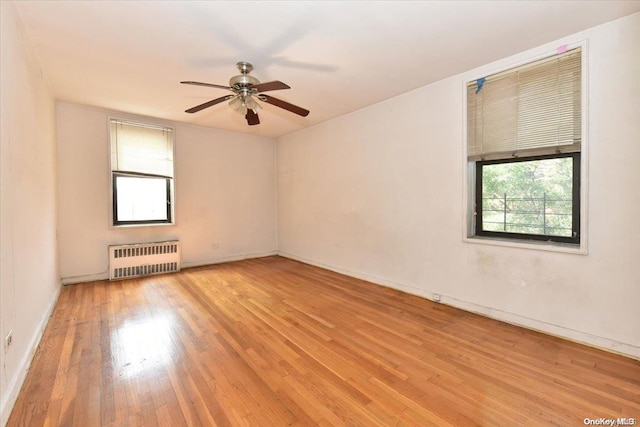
x=7 y=340
x=436 y=297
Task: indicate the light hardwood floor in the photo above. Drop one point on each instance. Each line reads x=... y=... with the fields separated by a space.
x=273 y=342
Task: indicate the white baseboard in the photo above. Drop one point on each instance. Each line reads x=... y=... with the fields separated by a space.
x=185 y=264
x=240 y=257
x=85 y=278
x=15 y=384
x=603 y=343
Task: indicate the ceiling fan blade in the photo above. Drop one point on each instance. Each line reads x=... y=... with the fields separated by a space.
x=208 y=104
x=252 y=118
x=274 y=85
x=206 y=84
x=283 y=104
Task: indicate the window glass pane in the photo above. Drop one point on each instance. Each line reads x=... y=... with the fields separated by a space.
x=528 y=197
x=141 y=198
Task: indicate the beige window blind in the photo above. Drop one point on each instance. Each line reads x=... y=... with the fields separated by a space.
x=141 y=149
x=530 y=110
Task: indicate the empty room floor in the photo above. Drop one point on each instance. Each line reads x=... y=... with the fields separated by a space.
x=274 y=342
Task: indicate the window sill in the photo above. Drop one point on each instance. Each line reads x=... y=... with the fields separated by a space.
x=142 y=225
x=567 y=248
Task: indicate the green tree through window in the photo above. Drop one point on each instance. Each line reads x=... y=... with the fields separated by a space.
x=533 y=197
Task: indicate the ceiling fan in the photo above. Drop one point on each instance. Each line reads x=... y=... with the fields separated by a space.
x=247 y=91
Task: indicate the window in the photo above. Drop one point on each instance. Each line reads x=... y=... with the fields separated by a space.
x=142 y=173
x=532 y=198
x=524 y=151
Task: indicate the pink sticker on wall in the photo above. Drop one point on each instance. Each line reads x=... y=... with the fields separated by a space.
x=562 y=49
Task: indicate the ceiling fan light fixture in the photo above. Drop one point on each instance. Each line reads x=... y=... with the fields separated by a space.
x=252 y=104
x=241 y=104
x=238 y=104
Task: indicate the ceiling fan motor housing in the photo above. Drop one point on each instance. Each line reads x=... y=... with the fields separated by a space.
x=244 y=79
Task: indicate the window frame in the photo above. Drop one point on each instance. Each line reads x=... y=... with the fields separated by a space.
x=113 y=222
x=468 y=224
x=575 y=202
x=116 y=222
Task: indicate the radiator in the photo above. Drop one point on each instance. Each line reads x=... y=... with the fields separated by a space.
x=143 y=259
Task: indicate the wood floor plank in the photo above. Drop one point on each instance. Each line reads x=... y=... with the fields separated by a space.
x=274 y=342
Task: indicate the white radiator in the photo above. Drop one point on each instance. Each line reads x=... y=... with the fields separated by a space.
x=143 y=259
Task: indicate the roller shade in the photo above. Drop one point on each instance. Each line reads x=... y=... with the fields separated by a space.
x=141 y=149
x=533 y=109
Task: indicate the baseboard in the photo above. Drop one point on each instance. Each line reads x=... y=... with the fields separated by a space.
x=603 y=343
x=580 y=337
x=239 y=257
x=185 y=264
x=85 y=278
x=14 y=386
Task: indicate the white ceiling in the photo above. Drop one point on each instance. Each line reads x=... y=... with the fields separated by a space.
x=337 y=56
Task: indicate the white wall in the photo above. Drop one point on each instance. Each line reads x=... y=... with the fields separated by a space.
x=224 y=200
x=378 y=194
x=29 y=279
